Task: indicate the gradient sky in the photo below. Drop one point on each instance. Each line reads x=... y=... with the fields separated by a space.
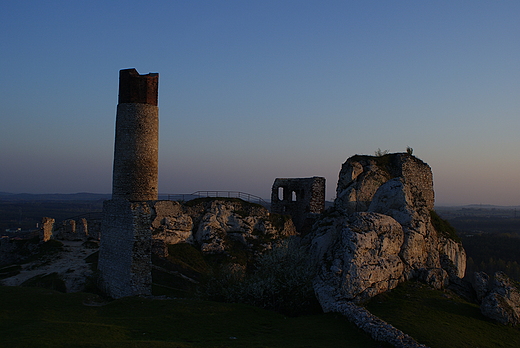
x=254 y=90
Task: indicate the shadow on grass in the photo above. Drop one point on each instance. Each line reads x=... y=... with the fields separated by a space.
x=441 y=319
x=35 y=317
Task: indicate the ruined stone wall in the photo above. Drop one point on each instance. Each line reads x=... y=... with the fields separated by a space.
x=377 y=328
x=67 y=231
x=125 y=249
x=317 y=199
x=82 y=227
x=47 y=228
x=135 y=88
x=301 y=198
x=416 y=172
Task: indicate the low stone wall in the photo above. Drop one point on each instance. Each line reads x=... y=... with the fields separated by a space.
x=70 y=229
x=378 y=329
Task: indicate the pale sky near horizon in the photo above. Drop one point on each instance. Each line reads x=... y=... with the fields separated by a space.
x=254 y=90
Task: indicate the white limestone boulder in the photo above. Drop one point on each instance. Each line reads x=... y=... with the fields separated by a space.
x=359 y=257
x=226 y=222
x=502 y=302
x=170 y=223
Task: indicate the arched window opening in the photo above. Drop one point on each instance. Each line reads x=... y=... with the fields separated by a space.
x=280 y=193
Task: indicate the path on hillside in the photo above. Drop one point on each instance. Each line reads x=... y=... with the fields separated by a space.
x=69 y=264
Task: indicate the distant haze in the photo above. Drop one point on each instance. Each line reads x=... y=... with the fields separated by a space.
x=251 y=91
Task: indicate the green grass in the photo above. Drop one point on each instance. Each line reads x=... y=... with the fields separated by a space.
x=35 y=317
x=441 y=319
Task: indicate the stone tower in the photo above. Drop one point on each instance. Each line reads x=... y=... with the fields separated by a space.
x=125 y=263
x=137 y=137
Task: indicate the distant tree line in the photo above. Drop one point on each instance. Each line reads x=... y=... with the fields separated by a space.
x=511 y=268
x=493 y=224
x=492 y=252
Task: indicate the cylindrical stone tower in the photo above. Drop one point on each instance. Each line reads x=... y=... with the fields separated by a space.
x=136 y=151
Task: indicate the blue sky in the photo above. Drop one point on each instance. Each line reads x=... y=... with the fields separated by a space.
x=254 y=90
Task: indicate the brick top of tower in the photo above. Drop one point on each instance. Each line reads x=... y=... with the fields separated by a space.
x=135 y=88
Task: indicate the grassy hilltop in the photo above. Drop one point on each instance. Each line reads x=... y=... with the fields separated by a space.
x=37 y=317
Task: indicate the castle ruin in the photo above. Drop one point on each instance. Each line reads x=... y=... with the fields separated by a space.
x=301 y=198
x=125 y=256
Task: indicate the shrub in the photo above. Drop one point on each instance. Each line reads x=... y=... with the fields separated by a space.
x=381 y=153
x=281 y=281
x=278 y=220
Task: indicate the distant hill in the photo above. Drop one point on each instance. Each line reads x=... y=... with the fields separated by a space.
x=81 y=196
x=476 y=206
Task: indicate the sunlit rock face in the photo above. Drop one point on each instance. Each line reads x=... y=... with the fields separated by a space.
x=171 y=224
x=362 y=176
x=359 y=255
x=215 y=226
x=393 y=197
x=224 y=223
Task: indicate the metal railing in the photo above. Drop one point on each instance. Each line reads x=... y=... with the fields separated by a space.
x=184 y=197
x=218 y=194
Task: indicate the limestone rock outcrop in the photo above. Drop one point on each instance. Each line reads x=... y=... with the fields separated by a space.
x=362 y=176
x=481 y=285
x=359 y=256
x=170 y=223
x=216 y=225
x=227 y=222
x=382 y=231
x=501 y=301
